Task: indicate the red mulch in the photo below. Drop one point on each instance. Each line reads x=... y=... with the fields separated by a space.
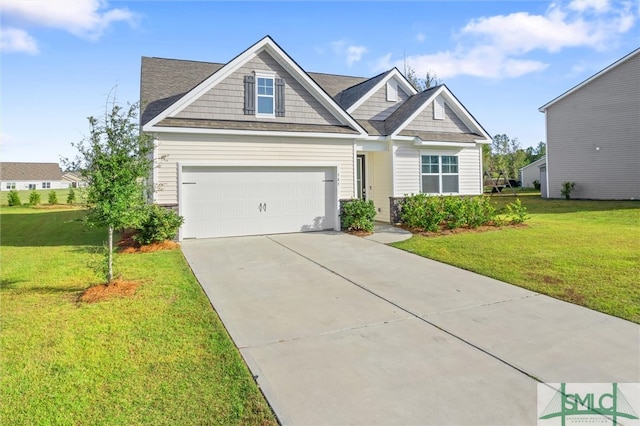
x=117 y=288
x=127 y=245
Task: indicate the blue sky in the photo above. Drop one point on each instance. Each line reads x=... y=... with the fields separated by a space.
x=502 y=59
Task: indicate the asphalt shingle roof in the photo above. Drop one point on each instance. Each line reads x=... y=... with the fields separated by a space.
x=350 y=96
x=405 y=110
x=30 y=171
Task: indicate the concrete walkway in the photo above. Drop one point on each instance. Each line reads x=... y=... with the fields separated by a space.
x=344 y=330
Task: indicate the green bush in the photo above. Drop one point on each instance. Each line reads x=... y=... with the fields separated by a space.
x=566 y=189
x=536 y=185
x=358 y=215
x=158 y=224
x=71 y=197
x=53 y=197
x=34 y=198
x=13 y=199
x=517 y=212
x=430 y=212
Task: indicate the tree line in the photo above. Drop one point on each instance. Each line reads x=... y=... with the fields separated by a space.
x=505 y=155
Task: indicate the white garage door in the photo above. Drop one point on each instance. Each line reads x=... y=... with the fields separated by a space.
x=233 y=201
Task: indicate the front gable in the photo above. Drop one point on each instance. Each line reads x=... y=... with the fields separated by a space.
x=388 y=93
x=223 y=97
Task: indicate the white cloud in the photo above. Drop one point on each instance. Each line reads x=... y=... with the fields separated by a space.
x=87 y=19
x=16 y=40
x=495 y=47
x=352 y=53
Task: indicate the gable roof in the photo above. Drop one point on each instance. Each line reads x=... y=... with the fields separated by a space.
x=351 y=95
x=30 y=171
x=539 y=162
x=181 y=101
x=413 y=106
x=367 y=89
x=619 y=62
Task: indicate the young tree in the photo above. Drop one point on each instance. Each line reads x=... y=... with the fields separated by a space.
x=420 y=84
x=115 y=160
x=506 y=156
x=535 y=153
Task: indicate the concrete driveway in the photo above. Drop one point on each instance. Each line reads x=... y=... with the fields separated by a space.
x=345 y=330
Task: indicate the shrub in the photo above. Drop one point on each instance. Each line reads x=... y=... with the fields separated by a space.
x=517 y=212
x=158 y=224
x=536 y=185
x=53 y=197
x=430 y=212
x=71 y=197
x=566 y=189
x=358 y=215
x=13 y=199
x=34 y=198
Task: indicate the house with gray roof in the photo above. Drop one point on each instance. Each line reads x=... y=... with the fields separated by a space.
x=593 y=135
x=21 y=176
x=258 y=145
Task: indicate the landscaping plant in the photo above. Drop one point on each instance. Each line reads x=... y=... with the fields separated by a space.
x=53 y=197
x=567 y=188
x=13 y=199
x=427 y=212
x=115 y=160
x=34 y=198
x=517 y=212
x=358 y=215
x=71 y=197
x=158 y=224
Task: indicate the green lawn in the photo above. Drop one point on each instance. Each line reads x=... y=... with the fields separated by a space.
x=585 y=252
x=159 y=357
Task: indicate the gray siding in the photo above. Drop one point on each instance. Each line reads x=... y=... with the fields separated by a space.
x=593 y=137
x=425 y=121
x=226 y=100
x=377 y=107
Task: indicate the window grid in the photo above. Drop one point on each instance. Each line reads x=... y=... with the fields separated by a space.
x=440 y=174
x=265 y=95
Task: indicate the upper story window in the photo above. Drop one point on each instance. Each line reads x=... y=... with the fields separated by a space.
x=264 y=95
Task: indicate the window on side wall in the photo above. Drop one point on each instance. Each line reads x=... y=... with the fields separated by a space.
x=32 y=186
x=11 y=185
x=439 y=174
x=46 y=185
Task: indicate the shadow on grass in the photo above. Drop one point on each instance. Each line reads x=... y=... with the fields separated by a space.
x=48 y=229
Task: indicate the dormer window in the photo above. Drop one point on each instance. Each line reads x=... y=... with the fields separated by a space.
x=264 y=95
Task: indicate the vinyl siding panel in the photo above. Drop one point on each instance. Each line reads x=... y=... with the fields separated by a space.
x=408 y=175
x=407 y=169
x=425 y=121
x=226 y=100
x=200 y=149
x=602 y=114
x=382 y=183
x=377 y=107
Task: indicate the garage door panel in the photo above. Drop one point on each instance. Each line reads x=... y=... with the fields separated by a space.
x=227 y=201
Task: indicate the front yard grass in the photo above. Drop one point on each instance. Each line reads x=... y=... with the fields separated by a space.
x=159 y=357
x=584 y=252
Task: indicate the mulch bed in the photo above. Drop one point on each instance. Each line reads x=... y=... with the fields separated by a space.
x=119 y=287
x=463 y=230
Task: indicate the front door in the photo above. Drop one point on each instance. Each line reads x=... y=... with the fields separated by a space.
x=361 y=185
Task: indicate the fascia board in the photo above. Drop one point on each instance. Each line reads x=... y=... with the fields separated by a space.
x=417 y=112
x=250 y=132
x=469 y=120
x=394 y=73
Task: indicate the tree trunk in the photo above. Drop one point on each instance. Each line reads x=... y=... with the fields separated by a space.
x=110 y=257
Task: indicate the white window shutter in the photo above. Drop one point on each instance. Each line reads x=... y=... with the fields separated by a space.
x=438 y=108
x=392 y=91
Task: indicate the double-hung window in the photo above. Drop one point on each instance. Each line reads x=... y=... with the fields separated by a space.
x=265 y=95
x=439 y=174
x=11 y=185
x=46 y=185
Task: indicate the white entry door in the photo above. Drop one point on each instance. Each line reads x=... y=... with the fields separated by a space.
x=234 y=201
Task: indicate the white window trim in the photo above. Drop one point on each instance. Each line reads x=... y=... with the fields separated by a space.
x=272 y=76
x=440 y=174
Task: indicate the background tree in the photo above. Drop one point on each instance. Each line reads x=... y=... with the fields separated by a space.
x=419 y=83
x=535 y=153
x=115 y=161
x=506 y=156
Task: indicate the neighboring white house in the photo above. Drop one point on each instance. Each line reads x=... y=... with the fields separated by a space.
x=74 y=180
x=531 y=172
x=258 y=145
x=22 y=176
x=593 y=135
